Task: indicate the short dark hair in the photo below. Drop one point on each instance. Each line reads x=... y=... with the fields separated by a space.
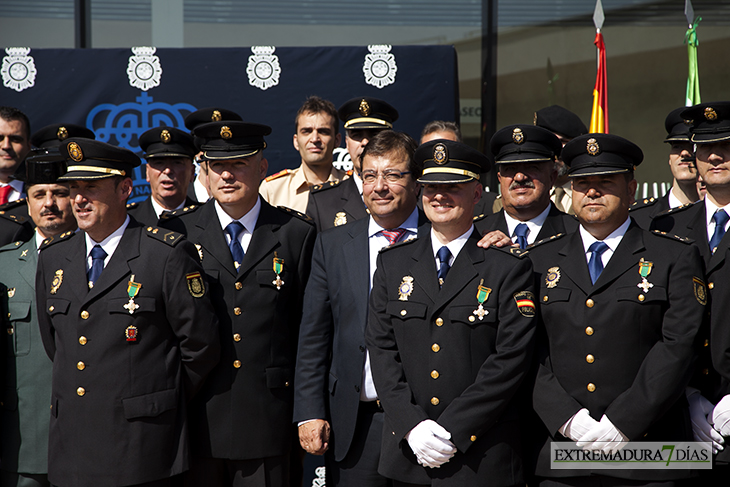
x=388 y=141
x=315 y=104
x=442 y=126
x=10 y=114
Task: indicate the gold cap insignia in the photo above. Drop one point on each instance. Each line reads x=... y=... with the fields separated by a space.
x=592 y=146
x=216 y=116
x=74 y=152
x=517 y=136
x=440 y=154
x=226 y=132
x=340 y=218
x=364 y=108
x=710 y=113
x=165 y=136
x=62 y=133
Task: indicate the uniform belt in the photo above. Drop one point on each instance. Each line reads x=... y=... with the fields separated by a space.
x=371 y=406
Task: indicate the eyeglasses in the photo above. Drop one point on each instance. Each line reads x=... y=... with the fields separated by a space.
x=390 y=176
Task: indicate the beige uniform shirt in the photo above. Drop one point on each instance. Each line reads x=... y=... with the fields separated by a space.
x=290 y=188
x=562 y=196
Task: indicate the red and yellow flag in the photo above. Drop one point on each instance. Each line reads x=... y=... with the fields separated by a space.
x=599 y=115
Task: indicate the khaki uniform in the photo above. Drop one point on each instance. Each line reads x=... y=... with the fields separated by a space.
x=291 y=189
x=562 y=196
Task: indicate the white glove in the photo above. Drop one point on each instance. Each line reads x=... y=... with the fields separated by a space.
x=604 y=437
x=430 y=443
x=721 y=416
x=699 y=409
x=578 y=425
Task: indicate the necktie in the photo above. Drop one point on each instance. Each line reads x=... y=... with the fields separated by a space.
x=521 y=232
x=393 y=235
x=720 y=218
x=595 y=265
x=443 y=255
x=4 y=192
x=97 y=264
x=234 y=230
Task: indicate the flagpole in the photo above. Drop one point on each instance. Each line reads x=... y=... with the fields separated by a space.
x=599 y=113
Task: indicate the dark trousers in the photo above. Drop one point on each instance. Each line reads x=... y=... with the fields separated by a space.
x=218 y=472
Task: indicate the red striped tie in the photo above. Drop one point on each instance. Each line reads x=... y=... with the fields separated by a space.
x=393 y=235
x=4 y=192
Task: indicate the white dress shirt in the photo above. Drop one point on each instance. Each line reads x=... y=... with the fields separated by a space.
x=109 y=244
x=612 y=241
x=533 y=226
x=248 y=221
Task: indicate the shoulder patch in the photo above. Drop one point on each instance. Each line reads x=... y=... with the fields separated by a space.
x=398 y=244
x=182 y=211
x=480 y=217
x=515 y=251
x=643 y=203
x=545 y=240
x=163 y=235
x=677 y=209
x=296 y=213
x=277 y=175
x=326 y=185
x=12 y=246
x=12 y=204
x=131 y=206
x=12 y=218
x=56 y=239
x=671 y=236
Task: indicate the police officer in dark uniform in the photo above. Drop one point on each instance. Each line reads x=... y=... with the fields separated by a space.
x=450 y=336
x=337 y=203
x=125 y=315
x=620 y=308
x=169 y=153
x=257 y=259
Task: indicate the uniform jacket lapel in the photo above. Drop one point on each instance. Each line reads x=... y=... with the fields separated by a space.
x=622 y=260
x=28 y=262
x=263 y=240
x=462 y=271
x=423 y=268
x=212 y=239
x=574 y=264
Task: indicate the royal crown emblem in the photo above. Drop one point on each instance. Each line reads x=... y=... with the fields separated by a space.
x=364 y=108
x=216 y=116
x=226 y=132
x=440 y=154
x=165 y=136
x=517 y=136
x=75 y=152
x=710 y=114
x=592 y=146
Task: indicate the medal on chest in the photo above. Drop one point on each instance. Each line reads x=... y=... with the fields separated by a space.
x=482 y=296
x=132 y=290
x=644 y=271
x=278 y=269
x=57 y=280
x=406 y=288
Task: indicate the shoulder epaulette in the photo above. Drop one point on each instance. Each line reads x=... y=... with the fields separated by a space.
x=398 y=244
x=643 y=203
x=12 y=218
x=671 y=211
x=182 y=211
x=349 y=173
x=56 y=239
x=163 y=235
x=326 y=185
x=546 y=240
x=11 y=246
x=671 y=236
x=12 y=204
x=131 y=206
x=480 y=217
x=508 y=249
x=277 y=175
x=296 y=213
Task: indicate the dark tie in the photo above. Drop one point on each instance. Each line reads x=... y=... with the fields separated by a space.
x=720 y=218
x=393 y=235
x=595 y=265
x=97 y=264
x=234 y=230
x=443 y=255
x=521 y=232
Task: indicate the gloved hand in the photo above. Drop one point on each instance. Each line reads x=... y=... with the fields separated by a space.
x=430 y=443
x=604 y=437
x=721 y=416
x=699 y=410
x=578 y=425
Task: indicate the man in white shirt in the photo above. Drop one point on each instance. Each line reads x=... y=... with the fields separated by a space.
x=14 y=145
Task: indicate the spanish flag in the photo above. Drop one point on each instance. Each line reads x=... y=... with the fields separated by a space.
x=599 y=115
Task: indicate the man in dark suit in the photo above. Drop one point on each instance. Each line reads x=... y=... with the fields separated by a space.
x=14 y=146
x=257 y=260
x=525 y=157
x=125 y=316
x=450 y=342
x=169 y=153
x=620 y=310
x=332 y=335
x=337 y=203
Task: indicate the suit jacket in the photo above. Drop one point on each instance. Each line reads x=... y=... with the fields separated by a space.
x=331 y=353
x=333 y=204
x=245 y=408
x=118 y=406
x=644 y=211
x=555 y=223
x=614 y=349
x=145 y=214
x=27 y=369
x=432 y=358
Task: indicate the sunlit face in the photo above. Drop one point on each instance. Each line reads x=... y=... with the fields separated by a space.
x=235 y=182
x=389 y=200
x=100 y=204
x=356 y=140
x=603 y=199
x=14 y=144
x=681 y=161
x=713 y=164
x=315 y=138
x=49 y=205
x=169 y=178
x=526 y=185
x=451 y=205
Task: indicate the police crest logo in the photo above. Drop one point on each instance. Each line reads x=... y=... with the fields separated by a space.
x=700 y=290
x=216 y=116
x=592 y=146
x=165 y=136
x=364 y=108
x=553 y=277
x=406 y=288
x=710 y=114
x=525 y=303
x=196 y=286
x=75 y=152
x=517 y=136
x=440 y=154
x=57 y=280
x=62 y=133
x=226 y=132
x=340 y=218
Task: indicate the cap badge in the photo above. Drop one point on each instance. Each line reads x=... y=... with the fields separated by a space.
x=440 y=154
x=216 y=116
x=74 y=152
x=517 y=136
x=592 y=146
x=364 y=108
x=710 y=113
x=62 y=133
x=226 y=132
x=165 y=136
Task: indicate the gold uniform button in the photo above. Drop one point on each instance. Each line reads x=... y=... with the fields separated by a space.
x=591 y=387
x=85 y=315
x=473 y=438
x=590 y=303
x=439 y=322
x=403 y=312
x=81 y=365
x=82 y=340
x=80 y=391
x=237 y=311
x=589 y=331
x=286 y=384
x=590 y=358
x=435 y=347
x=237 y=364
x=472 y=319
x=435 y=374
x=705 y=371
x=10 y=331
x=545 y=299
x=641 y=297
x=51 y=308
x=435 y=401
x=711 y=285
x=239 y=286
x=707 y=342
x=236 y=337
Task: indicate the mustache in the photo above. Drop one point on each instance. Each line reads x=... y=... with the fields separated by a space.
x=521 y=184
x=50 y=211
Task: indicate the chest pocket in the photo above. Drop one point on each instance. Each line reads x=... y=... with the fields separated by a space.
x=655 y=295
x=146 y=305
x=465 y=315
x=57 y=306
x=555 y=295
x=19 y=315
x=405 y=310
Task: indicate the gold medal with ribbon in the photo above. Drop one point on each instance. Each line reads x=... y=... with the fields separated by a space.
x=482 y=296
x=132 y=290
x=644 y=271
x=278 y=268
